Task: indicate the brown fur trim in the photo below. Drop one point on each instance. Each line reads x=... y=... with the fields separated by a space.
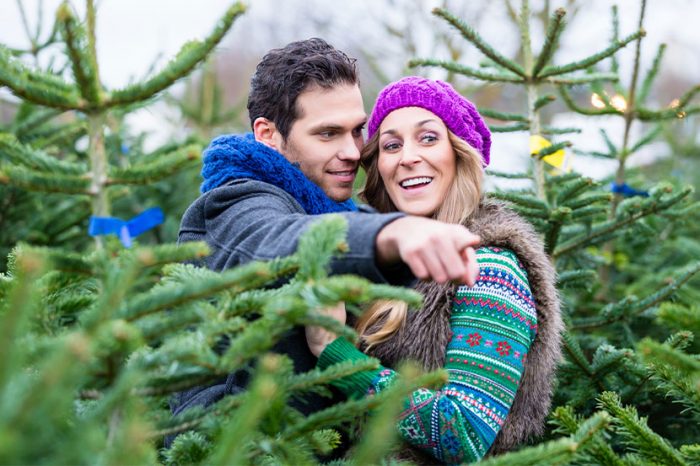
x=426 y=333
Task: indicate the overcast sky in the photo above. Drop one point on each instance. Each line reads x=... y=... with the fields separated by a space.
x=133 y=33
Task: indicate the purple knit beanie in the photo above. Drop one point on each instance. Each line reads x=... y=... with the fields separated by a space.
x=439 y=97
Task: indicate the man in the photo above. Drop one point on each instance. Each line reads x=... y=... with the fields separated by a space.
x=261 y=192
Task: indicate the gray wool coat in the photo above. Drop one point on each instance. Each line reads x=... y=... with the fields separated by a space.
x=426 y=333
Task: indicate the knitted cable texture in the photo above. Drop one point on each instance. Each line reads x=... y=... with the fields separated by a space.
x=439 y=97
x=232 y=156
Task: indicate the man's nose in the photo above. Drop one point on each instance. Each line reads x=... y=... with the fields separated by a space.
x=350 y=150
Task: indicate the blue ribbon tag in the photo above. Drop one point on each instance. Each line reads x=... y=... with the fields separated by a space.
x=626 y=190
x=126 y=229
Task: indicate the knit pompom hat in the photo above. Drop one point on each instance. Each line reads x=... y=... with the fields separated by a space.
x=439 y=97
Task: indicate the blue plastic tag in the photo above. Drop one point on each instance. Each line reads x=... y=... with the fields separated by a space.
x=627 y=190
x=126 y=229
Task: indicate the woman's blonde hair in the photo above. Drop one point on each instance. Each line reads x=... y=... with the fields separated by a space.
x=383 y=318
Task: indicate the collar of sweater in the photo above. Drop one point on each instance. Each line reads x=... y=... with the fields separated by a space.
x=233 y=156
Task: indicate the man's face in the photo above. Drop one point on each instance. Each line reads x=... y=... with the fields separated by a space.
x=325 y=140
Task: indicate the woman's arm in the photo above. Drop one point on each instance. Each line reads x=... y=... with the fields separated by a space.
x=493 y=325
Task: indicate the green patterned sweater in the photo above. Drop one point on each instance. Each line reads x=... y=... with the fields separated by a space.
x=493 y=325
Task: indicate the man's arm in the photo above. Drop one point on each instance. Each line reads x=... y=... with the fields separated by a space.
x=249 y=220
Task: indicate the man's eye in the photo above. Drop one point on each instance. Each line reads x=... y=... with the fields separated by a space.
x=357 y=132
x=327 y=134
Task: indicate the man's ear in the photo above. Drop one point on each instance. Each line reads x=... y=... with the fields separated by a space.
x=265 y=132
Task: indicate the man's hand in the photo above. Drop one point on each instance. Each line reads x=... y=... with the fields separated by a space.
x=318 y=337
x=433 y=250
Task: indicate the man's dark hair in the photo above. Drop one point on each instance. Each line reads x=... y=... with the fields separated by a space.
x=285 y=73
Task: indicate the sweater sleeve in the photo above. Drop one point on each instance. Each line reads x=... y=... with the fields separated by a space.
x=247 y=220
x=493 y=325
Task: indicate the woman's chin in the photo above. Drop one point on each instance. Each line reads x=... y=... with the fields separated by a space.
x=417 y=209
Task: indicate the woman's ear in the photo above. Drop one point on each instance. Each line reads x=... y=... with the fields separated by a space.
x=265 y=132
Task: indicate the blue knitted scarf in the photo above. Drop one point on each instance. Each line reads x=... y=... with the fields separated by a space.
x=232 y=156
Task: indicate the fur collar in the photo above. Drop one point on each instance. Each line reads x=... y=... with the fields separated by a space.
x=426 y=334
x=232 y=156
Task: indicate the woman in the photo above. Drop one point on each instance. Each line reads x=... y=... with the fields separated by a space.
x=498 y=339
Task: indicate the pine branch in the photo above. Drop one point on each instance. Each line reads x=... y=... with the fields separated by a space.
x=544 y=100
x=591 y=211
x=664 y=354
x=591 y=60
x=308 y=380
x=556 y=220
x=576 y=278
x=637 y=435
x=646 y=139
x=510 y=128
x=189 y=56
x=323 y=241
x=573 y=188
x=15 y=309
x=644 y=114
x=62 y=261
x=466 y=71
x=581 y=79
x=651 y=75
x=555 y=25
x=523 y=200
x=608 y=359
x=163 y=167
x=615 y=66
x=22 y=128
x=586 y=201
x=561 y=451
x=76 y=41
x=576 y=354
x=551 y=130
x=569 y=101
x=497 y=115
x=154 y=256
x=43 y=182
x=602 y=231
x=549 y=150
x=20 y=154
x=600 y=155
x=472 y=36
x=46 y=89
x=631 y=306
x=675 y=385
x=236 y=280
x=598 y=452
x=234 y=442
x=58 y=136
x=512 y=176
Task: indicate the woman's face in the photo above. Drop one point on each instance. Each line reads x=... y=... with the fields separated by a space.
x=416 y=160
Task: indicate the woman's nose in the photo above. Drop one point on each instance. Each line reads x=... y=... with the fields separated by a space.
x=410 y=155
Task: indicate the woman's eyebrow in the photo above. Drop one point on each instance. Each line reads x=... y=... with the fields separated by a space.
x=423 y=122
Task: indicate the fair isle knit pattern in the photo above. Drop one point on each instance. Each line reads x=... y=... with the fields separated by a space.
x=493 y=325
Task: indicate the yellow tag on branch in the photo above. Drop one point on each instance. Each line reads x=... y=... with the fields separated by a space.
x=557 y=159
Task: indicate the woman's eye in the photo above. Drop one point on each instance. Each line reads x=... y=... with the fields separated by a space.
x=391 y=146
x=429 y=138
